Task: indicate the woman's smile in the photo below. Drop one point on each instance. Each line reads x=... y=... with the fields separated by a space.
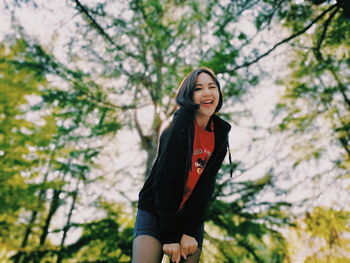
x=206 y=95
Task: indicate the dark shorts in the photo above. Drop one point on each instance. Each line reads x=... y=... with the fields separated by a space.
x=147 y=224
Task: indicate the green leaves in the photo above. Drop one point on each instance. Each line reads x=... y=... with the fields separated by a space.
x=108 y=239
x=322 y=233
x=47 y=153
x=245 y=228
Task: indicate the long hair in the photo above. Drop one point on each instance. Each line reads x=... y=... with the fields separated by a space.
x=184 y=96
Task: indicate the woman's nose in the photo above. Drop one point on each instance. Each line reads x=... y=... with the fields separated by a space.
x=207 y=91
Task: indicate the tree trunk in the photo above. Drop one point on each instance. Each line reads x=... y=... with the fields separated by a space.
x=20 y=256
x=67 y=226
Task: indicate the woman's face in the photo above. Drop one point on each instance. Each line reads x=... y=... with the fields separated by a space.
x=206 y=94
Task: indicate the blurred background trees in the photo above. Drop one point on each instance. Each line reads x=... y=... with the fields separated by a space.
x=93 y=79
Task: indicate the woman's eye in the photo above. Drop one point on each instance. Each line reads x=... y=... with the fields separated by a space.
x=196 y=89
x=212 y=87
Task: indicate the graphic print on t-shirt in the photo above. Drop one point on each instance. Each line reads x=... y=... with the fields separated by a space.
x=200 y=164
x=201 y=156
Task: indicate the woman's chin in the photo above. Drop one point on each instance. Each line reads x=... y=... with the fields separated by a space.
x=206 y=112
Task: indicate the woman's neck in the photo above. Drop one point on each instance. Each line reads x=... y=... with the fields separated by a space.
x=202 y=121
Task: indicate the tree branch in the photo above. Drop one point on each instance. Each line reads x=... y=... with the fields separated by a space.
x=247 y=64
x=92 y=21
x=324 y=32
x=341 y=86
x=144 y=138
x=62 y=72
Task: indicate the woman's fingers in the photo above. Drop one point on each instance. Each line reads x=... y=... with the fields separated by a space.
x=184 y=253
x=176 y=257
x=173 y=251
x=193 y=250
x=188 y=245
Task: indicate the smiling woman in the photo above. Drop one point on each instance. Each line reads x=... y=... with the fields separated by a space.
x=206 y=94
x=176 y=194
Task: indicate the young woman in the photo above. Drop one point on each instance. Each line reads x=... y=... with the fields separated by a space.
x=176 y=194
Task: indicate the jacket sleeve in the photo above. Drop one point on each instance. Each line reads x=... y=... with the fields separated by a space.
x=168 y=182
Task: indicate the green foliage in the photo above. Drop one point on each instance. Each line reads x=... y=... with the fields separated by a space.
x=102 y=241
x=246 y=229
x=315 y=101
x=315 y=113
x=324 y=233
x=106 y=240
x=326 y=223
x=18 y=160
x=50 y=153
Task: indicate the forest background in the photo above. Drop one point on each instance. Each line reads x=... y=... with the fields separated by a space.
x=87 y=86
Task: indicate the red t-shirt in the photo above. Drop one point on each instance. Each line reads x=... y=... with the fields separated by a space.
x=203 y=146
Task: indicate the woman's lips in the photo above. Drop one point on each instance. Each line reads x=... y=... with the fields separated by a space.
x=207 y=103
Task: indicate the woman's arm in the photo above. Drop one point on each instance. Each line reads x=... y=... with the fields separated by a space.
x=169 y=180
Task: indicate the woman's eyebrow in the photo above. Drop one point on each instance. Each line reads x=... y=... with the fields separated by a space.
x=199 y=84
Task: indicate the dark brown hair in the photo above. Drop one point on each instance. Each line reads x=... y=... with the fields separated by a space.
x=184 y=97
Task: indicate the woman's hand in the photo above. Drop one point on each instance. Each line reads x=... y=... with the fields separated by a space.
x=173 y=251
x=188 y=245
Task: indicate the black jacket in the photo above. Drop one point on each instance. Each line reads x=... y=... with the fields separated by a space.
x=163 y=190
